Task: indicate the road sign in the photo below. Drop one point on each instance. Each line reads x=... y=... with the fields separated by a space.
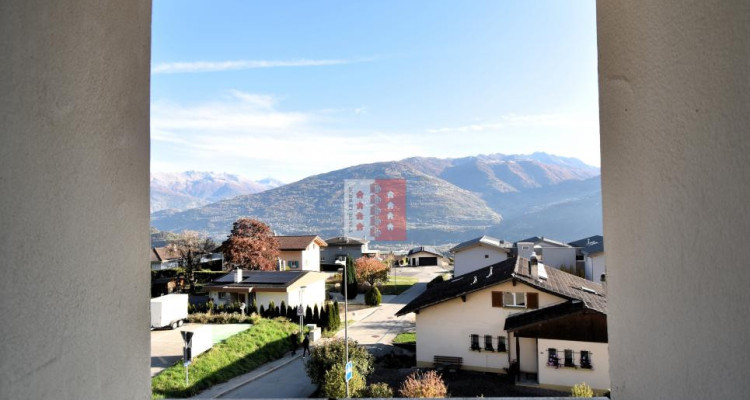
x=348 y=371
x=299 y=311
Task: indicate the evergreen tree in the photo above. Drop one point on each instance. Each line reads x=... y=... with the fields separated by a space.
x=308 y=315
x=351 y=279
x=316 y=315
x=282 y=309
x=262 y=311
x=272 y=310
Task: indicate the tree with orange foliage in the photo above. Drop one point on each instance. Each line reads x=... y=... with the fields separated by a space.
x=251 y=245
x=371 y=270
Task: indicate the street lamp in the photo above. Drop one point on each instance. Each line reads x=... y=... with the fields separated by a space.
x=346 y=319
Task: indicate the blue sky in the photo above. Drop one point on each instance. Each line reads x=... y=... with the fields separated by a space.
x=288 y=89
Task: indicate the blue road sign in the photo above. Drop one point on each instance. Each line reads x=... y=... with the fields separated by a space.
x=348 y=371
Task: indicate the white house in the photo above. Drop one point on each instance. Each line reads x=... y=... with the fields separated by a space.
x=479 y=253
x=553 y=253
x=516 y=311
x=300 y=253
x=590 y=253
x=164 y=258
x=426 y=256
x=305 y=288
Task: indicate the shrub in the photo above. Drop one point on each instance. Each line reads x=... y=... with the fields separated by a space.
x=331 y=323
x=372 y=297
x=334 y=385
x=378 y=390
x=582 y=390
x=324 y=357
x=425 y=385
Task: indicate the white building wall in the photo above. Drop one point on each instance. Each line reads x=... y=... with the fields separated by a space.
x=595 y=267
x=556 y=257
x=597 y=377
x=311 y=258
x=291 y=255
x=445 y=329
x=477 y=257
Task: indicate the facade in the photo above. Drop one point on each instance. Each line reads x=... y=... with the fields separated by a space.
x=426 y=256
x=468 y=317
x=164 y=258
x=300 y=253
x=590 y=257
x=478 y=253
x=553 y=253
x=306 y=288
x=342 y=246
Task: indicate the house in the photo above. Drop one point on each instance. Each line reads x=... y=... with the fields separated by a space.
x=342 y=246
x=164 y=258
x=553 y=253
x=479 y=253
x=516 y=310
x=590 y=257
x=300 y=252
x=426 y=256
x=292 y=287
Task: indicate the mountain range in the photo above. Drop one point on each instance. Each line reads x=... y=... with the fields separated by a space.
x=448 y=200
x=184 y=190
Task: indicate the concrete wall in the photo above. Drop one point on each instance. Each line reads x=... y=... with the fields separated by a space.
x=555 y=257
x=74 y=184
x=446 y=328
x=473 y=258
x=674 y=93
x=597 y=377
x=595 y=266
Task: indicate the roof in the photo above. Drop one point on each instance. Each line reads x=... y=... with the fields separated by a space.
x=163 y=254
x=298 y=242
x=560 y=310
x=483 y=240
x=426 y=249
x=344 y=241
x=590 y=245
x=539 y=239
x=259 y=280
x=558 y=283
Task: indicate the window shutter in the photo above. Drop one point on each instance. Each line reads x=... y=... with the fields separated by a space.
x=532 y=300
x=497 y=299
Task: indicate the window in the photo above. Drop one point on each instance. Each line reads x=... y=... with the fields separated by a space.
x=552 y=360
x=488 y=343
x=501 y=344
x=486 y=256
x=475 y=343
x=569 y=358
x=497 y=299
x=514 y=299
x=222 y=295
x=293 y=264
x=585 y=359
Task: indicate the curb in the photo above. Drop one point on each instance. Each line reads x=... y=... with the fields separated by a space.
x=253 y=378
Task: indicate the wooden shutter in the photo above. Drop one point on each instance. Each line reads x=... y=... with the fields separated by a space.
x=497 y=299
x=532 y=301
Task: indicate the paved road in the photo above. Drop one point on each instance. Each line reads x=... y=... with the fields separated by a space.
x=288 y=381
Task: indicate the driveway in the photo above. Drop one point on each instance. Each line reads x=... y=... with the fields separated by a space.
x=166 y=345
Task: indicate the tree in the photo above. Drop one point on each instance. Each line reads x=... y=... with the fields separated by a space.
x=371 y=270
x=190 y=246
x=251 y=245
x=351 y=279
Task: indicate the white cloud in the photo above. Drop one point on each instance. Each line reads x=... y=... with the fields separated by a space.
x=214 y=66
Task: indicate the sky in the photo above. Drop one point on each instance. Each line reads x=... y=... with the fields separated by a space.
x=289 y=89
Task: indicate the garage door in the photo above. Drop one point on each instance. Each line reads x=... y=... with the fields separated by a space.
x=427 y=261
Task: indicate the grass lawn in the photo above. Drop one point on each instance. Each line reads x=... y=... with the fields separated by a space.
x=397 y=286
x=265 y=341
x=405 y=338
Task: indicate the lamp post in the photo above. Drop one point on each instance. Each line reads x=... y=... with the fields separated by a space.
x=346 y=321
x=302 y=308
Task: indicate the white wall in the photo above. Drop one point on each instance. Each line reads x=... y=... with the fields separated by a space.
x=445 y=329
x=311 y=258
x=74 y=184
x=674 y=90
x=597 y=377
x=556 y=257
x=473 y=258
x=595 y=266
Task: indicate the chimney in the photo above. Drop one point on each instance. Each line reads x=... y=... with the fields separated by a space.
x=533 y=267
x=604 y=281
x=525 y=249
x=238 y=275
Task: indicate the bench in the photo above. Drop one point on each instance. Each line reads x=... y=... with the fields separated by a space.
x=449 y=362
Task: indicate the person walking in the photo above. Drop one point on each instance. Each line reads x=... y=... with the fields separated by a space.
x=306 y=345
x=294 y=340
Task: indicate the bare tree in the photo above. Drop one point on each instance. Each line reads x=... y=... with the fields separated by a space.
x=190 y=247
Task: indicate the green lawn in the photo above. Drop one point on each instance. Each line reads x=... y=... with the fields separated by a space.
x=398 y=285
x=265 y=341
x=405 y=338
